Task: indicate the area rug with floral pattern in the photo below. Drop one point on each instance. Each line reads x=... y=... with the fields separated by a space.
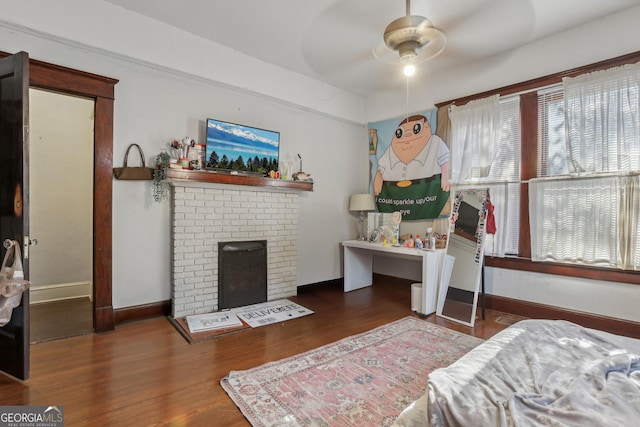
x=362 y=380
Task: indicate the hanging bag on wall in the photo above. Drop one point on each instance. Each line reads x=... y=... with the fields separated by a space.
x=133 y=172
x=12 y=283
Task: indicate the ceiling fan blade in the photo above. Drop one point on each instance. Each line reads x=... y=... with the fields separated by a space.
x=382 y=53
x=435 y=46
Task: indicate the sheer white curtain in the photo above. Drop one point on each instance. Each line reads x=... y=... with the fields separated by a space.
x=485 y=153
x=602 y=120
x=586 y=220
x=592 y=218
x=629 y=228
x=574 y=220
x=474 y=131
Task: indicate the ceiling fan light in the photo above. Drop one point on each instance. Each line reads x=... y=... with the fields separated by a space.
x=409 y=70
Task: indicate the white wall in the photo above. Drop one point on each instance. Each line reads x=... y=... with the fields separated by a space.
x=155 y=104
x=170 y=81
x=103 y=27
x=611 y=299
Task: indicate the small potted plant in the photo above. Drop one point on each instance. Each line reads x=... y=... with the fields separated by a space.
x=160 y=185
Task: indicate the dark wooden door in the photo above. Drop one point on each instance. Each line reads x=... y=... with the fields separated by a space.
x=14 y=199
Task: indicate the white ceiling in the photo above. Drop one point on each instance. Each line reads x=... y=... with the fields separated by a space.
x=332 y=40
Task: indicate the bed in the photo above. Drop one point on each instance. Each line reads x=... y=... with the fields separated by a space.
x=536 y=373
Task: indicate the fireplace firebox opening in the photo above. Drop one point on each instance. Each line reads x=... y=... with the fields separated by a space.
x=242 y=273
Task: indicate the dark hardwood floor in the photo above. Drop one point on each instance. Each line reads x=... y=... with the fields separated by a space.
x=61 y=319
x=145 y=373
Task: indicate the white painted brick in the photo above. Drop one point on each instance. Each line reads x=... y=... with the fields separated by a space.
x=204 y=216
x=195 y=190
x=183 y=262
x=194 y=203
x=184 y=300
x=183 y=209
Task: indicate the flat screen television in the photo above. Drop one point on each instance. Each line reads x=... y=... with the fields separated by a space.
x=241 y=148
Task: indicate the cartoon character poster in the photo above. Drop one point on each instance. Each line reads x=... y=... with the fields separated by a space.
x=409 y=166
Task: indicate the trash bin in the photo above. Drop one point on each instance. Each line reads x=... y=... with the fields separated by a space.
x=416 y=297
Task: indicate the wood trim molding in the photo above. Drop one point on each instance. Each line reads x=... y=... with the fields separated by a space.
x=540 y=311
x=570 y=270
x=142 y=312
x=102 y=213
x=184 y=175
x=101 y=89
x=67 y=80
x=548 y=80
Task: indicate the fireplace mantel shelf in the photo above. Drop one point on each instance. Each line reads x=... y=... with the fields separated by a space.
x=227 y=178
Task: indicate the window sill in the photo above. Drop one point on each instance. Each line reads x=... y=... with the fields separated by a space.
x=595 y=273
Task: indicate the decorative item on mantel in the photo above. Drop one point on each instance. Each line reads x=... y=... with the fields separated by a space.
x=286 y=170
x=183 y=153
x=301 y=176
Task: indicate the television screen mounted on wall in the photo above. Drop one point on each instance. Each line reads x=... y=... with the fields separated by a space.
x=244 y=149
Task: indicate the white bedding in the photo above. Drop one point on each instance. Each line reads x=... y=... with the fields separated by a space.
x=536 y=373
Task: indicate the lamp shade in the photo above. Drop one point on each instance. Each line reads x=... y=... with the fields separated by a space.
x=362 y=202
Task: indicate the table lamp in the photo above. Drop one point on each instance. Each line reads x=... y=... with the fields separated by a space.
x=361 y=203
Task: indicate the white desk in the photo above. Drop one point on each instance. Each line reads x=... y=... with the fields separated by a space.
x=358 y=267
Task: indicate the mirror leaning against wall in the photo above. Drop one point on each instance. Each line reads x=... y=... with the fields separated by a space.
x=462 y=272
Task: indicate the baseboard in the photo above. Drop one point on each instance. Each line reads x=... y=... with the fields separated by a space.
x=163 y=308
x=142 y=312
x=540 y=311
x=59 y=291
x=327 y=283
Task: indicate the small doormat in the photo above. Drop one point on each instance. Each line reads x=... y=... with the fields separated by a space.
x=251 y=316
x=266 y=313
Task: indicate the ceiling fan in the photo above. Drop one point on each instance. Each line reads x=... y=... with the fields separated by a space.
x=414 y=39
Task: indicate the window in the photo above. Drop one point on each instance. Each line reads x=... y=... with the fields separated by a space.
x=602 y=119
x=552 y=156
x=510 y=167
x=548 y=155
x=588 y=126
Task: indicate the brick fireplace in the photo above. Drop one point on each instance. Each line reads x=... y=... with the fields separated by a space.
x=204 y=214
